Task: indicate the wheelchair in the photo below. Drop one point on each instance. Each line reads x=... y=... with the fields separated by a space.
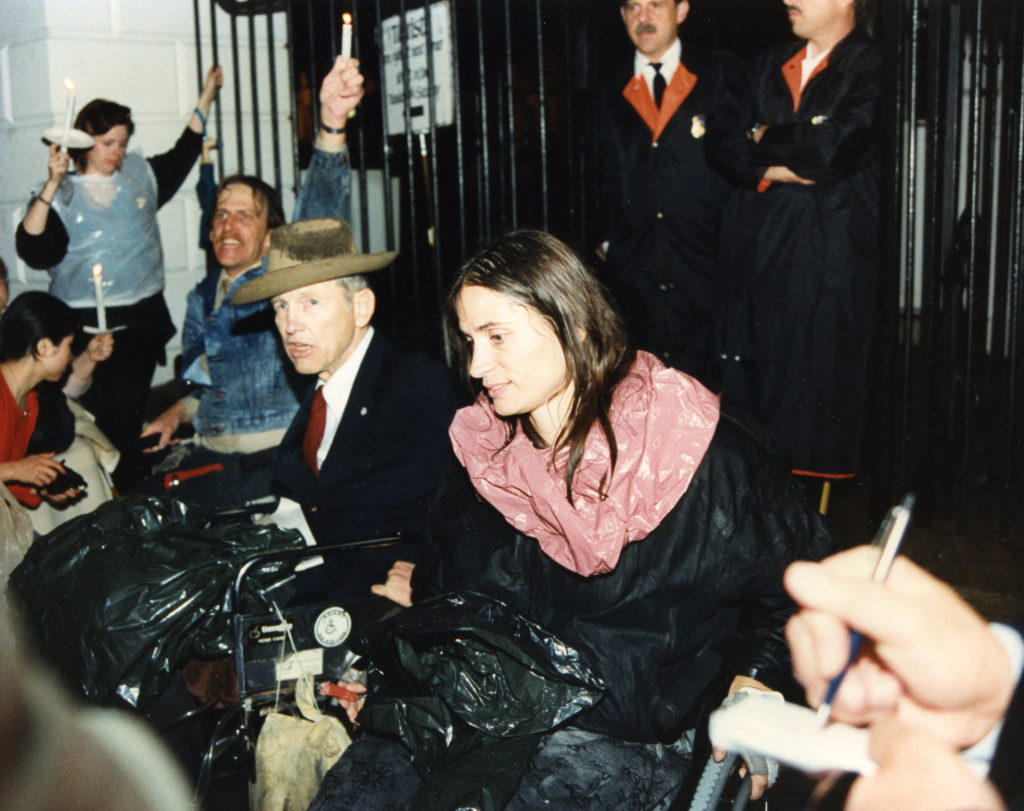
x=308 y=634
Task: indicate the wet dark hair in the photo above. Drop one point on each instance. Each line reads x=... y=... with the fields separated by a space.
x=266 y=196
x=100 y=116
x=546 y=275
x=29 y=318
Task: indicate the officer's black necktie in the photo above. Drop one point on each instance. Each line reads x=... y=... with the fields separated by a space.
x=659 y=84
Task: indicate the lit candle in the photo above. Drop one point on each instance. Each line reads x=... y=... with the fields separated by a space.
x=101 y=310
x=346 y=36
x=70 y=85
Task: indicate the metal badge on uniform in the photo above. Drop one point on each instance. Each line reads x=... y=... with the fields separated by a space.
x=819 y=119
x=697 y=126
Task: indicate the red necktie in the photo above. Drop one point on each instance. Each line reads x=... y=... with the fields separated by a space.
x=315 y=430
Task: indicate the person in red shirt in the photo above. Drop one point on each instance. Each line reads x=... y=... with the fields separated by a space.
x=36 y=332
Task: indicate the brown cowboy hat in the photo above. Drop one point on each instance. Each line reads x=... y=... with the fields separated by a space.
x=307 y=252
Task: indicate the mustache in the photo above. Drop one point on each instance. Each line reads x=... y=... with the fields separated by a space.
x=645 y=28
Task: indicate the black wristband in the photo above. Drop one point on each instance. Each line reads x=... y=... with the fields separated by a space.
x=332 y=130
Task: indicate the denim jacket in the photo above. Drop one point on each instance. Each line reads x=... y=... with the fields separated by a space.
x=248 y=384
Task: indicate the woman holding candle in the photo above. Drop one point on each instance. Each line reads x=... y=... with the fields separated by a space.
x=36 y=332
x=105 y=214
x=607 y=498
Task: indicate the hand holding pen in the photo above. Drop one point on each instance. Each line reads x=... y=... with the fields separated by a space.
x=887 y=542
x=927 y=658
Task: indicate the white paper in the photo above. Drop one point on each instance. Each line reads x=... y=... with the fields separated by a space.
x=791 y=734
x=293 y=665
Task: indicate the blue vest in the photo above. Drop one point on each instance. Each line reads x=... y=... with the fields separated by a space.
x=110 y=221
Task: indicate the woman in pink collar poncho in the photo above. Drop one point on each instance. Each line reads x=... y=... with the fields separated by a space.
x=611 y=501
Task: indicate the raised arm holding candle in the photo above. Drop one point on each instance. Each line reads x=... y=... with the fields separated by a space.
x=340 y=93
x=106 y=214
x=242 y=401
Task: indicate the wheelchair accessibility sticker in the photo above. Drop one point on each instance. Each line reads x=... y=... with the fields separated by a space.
x=332 y=627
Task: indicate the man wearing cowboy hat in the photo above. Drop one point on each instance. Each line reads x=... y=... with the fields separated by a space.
x=366 y=446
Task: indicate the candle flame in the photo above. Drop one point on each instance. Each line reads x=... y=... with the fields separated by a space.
x=346 y=18
x=70 y=85
x=97 y=271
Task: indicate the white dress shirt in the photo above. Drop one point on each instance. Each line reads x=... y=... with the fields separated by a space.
x=669 y=63
x=809 y=63
x=337 y=390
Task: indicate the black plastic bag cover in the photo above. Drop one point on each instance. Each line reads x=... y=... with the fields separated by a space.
x=468 y=659
x=119 y=598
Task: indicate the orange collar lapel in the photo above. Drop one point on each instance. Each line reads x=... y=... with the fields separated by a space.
x=792 y=72
x=678 y=89
x=638 y=95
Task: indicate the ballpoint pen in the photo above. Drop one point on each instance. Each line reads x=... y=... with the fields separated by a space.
x=890 y=536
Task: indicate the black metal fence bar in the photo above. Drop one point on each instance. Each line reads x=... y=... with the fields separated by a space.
x=357 y=144
x=215 y=48
x=542 y=116
x=290 y=23
x=483 y=146
x=460 y=162
x=1012 y=419
x=510 y=123
x=415 y=207
x=389 y=202
x=275 y=135
x=933 y=248
x=254 y=96
x=239 y=140
x=907 y=182
x=199 y=38
x=430 y=171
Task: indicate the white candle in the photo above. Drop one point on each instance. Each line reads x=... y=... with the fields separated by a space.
x=101 y=310
x=70 y=85
x=346 y=36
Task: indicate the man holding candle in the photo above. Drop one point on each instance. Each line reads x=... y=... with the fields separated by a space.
x=660 y=201
x=243 y=391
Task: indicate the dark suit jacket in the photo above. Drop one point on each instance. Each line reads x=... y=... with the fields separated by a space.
x=660 y=209
x=387 y=453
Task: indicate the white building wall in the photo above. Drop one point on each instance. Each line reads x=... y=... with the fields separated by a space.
x=140 y=53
